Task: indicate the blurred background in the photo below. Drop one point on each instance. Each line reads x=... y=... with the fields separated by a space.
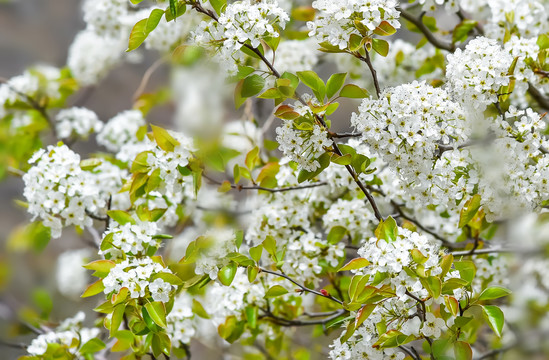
x=40 y=32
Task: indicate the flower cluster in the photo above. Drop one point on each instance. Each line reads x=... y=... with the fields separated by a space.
x=303 y=143
x=294 y=56
x=407 y=127
x=69 y=335
x=121 y=130
x=303 y=252
x=91 y=56
x=77 y=121
x=243 y=22
x=71 y=276
x=60 y=193
x=476 y=74
x=167 y=163
x=142 y=277
x=515 y=170
x=525 y=18
x=393 y=257
x=181 y=327
x=132 y=238
x=350 y=214
x=336 y=21
x=33 y=83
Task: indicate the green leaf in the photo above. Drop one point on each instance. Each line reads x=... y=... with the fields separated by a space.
x=324 y=161
x=469 y=210
x=157 y=312
x=252 y=85
x=255 y=252
x=169 y=278
x=463 y=351
x=137 y=35
x=153 y=20
x=252 y=273
x=336 y=234
x=543 y=41
x=380 y=46
x=493 y=292
x=89 y=164
x=161 y=344
x=117 y=317
x=275 y=290
x=219 y=5
x=355 y=264
x=125 y=340
x=312 y=80
x=101 y=267
x=353 y=92
x=163 y=139
x=181 y=9
x=387 y=230
x=384 y=29
x=272 y=93
x=227 y=273
x=494 y=316
x=363 y=314
x=467 y=270
x=462 y=30
x=92 y=346
x=173 y=7
x=335 y=82
x=342 y=160
x=94 y=289
x=121 y=217
x=251 y=316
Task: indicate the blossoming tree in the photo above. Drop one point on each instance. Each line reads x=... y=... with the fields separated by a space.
x=393 y=226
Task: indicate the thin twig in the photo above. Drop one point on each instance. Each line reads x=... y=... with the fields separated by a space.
x=368 y=62
x=296 y=322
x=302 y=287
x=343 y=135
x=417 y=21
x=146 y=77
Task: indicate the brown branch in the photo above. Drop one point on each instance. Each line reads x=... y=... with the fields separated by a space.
x=334 y=135
x=368 y=62
x=302 y=287
x=542 y=100
x=275 y=190
x=417 y=21
x=297 y=322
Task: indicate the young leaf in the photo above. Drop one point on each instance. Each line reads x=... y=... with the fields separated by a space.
x=353 y=92
x=163 y=139
x=137 y=35
x=252 y=85
x=493 y=292
x=335 y=82
x=312 y=80
x=462 y=351
x=380 y=46
x=494 y=316
x=157 y=312
x=355 y=264
x=227 y=274
x=336 y=234
x=219 y=5
x=121 y=217
x=275 y=290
